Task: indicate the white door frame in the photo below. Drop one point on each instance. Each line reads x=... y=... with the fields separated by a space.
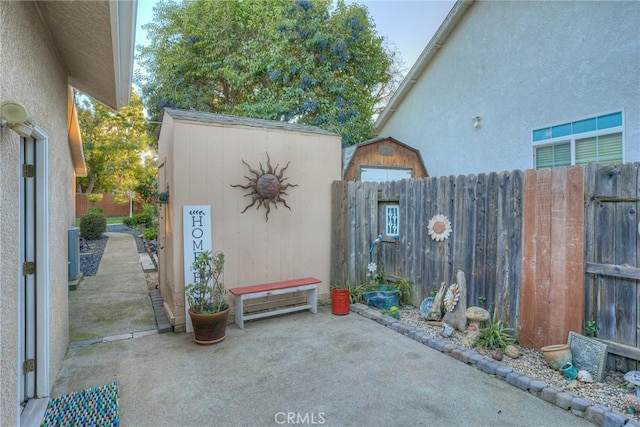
x=42 y=276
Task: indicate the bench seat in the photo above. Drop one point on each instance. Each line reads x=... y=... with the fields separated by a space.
x=306 y=284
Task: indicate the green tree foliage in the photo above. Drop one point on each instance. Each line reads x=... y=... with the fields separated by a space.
x=116 y=147
x=312 y=62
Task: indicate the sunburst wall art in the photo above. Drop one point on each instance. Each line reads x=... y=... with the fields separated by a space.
x=266 y=186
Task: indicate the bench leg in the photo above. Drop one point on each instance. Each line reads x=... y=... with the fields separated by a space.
x=240 y=311
x=313 y=300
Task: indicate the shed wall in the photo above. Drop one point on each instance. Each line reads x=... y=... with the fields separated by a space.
x=203 y=160
x=370 y=155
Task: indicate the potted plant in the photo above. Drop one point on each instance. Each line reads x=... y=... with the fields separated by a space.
x=208 y=309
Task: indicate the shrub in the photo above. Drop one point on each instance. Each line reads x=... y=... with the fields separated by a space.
x=94 y=210
x=92 y=225
x=94 y=197
x=150 y=233
x=129 y=222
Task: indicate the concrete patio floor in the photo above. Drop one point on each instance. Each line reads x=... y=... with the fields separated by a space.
x=296 y=369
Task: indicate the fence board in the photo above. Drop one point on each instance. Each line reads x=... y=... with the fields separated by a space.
x=529 y=261
x=612 y=258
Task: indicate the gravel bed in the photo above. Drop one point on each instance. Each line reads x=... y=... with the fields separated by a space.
x=90 y=257
x=611 y=392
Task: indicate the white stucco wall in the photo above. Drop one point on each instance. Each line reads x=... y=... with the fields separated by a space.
x=521 y=66
x=32 y=75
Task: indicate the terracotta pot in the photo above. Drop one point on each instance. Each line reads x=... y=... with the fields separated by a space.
x=557 y=355
x=209 y=328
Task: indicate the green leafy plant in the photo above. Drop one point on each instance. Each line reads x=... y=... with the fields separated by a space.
x=494 y=335
x=129 y=222
x=434 y=293
x=482 y=301
x=393 y=312
x=206 y=295
x=356 y=292
x=405 y=290
x=94 y=198
x=93 y=224
x=150 y=233
x=590 y=330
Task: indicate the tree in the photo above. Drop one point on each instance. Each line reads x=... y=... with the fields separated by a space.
x=299 y=61
x=116 y=146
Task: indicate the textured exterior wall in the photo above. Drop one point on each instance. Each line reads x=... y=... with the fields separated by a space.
x=521 y=66
x=32 y=75
x=202 y=160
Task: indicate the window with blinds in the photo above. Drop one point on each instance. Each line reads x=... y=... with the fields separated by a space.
x=553 y=155
x=593 y=140
x=599 y=149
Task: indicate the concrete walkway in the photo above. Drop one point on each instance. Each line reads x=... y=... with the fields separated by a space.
x=116 y=300
x=295 y=369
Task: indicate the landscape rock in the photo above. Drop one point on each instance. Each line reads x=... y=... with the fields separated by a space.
x=512 y=351
x=585 y=377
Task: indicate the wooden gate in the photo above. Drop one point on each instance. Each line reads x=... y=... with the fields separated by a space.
x=612 y=260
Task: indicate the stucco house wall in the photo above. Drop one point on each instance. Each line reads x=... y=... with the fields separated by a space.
x=200 y=156
x=33 y=76
x=519 y=66
x=41 y=57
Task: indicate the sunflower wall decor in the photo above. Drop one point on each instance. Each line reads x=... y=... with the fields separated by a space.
x=266 y=186
x=439 y=227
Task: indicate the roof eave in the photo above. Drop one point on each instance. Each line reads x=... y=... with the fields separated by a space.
x=430 y=51
x=123 y=26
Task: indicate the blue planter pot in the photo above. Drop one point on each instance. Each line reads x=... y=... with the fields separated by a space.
x=383 y=300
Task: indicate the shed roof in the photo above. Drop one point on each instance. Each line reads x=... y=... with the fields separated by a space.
x=350 y=151
x=222 y=119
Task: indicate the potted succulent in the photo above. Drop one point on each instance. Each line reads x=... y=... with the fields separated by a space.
x=208 y=309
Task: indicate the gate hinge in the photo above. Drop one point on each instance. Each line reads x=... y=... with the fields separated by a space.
x=28 y=171
x=28 y=365
x=29 y=268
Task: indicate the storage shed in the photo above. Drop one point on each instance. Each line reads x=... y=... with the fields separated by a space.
x=202 y=156
x=382 y=159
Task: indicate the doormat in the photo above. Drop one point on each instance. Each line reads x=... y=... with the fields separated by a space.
x=95 y=406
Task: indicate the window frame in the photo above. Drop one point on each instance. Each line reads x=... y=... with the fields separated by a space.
x=571 y=138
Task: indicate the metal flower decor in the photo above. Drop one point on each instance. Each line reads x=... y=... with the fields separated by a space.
x=439 y=227
x=267 y=187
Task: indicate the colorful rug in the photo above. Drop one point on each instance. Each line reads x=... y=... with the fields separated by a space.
x=95 y=406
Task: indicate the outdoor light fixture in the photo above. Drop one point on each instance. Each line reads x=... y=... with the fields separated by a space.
x=16 y=117
x=476 y=121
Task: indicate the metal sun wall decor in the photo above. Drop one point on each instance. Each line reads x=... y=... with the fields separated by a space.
x=439 y=227
x=266 y=187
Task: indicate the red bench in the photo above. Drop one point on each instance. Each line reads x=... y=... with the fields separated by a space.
x=307 y=284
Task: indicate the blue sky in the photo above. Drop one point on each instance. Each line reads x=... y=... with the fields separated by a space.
x=406 y=24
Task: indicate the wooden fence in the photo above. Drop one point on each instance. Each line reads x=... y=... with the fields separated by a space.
x=485 y=212
x=108 y=205
x=517 y=236
x=612 y=252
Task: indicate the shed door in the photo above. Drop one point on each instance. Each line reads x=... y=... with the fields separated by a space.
x=383 y=174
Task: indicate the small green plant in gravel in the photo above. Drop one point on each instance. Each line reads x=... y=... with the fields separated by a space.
x=494 y=336
x=590 y=330
x=482 y=301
